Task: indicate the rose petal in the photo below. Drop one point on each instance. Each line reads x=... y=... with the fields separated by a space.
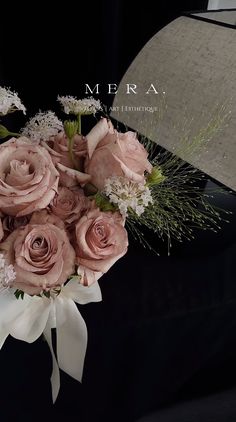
x=96 y=134
x=81 y=294
x=88 y=277
x=74 y=175
x=131 y=175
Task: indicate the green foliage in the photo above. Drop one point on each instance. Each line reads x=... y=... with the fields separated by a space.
x=3 y=132
x=19 y=294
x=103 y=203
x=155 y=177
x=70 y=127
x=49 y=293
x=180 y=204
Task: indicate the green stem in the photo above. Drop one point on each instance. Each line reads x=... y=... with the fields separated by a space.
x=14 y=134
x=79 y=124
x=71 y=142
x=71 y=154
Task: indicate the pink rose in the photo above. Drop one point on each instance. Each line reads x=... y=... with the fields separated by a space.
x=59 y=143
x=44 y=217
x=68 y=204
x=111 y=153
x=57 y=147
x=101 y=240
x=42 y=256
x=28 y=178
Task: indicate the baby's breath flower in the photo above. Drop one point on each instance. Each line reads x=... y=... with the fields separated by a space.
x=127 y=194
x=73 y=106
x=9 y=102
x=42 y=126
x=7 y=273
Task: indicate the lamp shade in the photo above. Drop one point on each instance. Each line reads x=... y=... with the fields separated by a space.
x=186 y=74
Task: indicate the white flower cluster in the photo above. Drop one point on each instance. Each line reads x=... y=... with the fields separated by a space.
x=9 y=102
x=7 y=273
x=42 y=126
x=73 y=106
x=127 y=194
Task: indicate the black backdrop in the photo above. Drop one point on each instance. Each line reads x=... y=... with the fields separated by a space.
x=45 y=53
x=165 y=329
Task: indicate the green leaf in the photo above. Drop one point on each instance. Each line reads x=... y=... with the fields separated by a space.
x=3 y=132
x=155 y=177
x=103 y=203
x=19 y=294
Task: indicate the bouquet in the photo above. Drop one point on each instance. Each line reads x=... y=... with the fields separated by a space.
x=66 y=202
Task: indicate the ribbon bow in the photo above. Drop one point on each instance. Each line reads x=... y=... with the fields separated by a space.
x=27 y=319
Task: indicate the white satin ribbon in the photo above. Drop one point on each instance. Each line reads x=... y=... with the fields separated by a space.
x=27 y=319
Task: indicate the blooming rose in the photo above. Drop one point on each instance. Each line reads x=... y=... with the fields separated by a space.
x=101 y=240
x=111 y=153
x=57 y=147
x=41 y=253
x=28 y=178
x=60 y=145
x=44 y=217
x=68 y=204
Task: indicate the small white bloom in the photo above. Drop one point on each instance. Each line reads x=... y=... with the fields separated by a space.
x=42 y=126
x=10 y=102
x=127 y=194
x=7 y=273
x=73 y=106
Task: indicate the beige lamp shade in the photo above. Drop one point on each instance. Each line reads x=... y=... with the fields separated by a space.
x=183 y=80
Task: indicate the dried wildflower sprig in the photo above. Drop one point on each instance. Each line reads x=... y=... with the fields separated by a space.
x=179 y=206
x=42 y=126
x=190 y=144
x=10 y=102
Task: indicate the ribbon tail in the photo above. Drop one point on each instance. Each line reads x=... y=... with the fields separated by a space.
x=10 y=310
x=3 y=337
x=55 y=377
x=71 y=338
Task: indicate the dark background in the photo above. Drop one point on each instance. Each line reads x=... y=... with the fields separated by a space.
x=45 y=53
x=165 y=331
